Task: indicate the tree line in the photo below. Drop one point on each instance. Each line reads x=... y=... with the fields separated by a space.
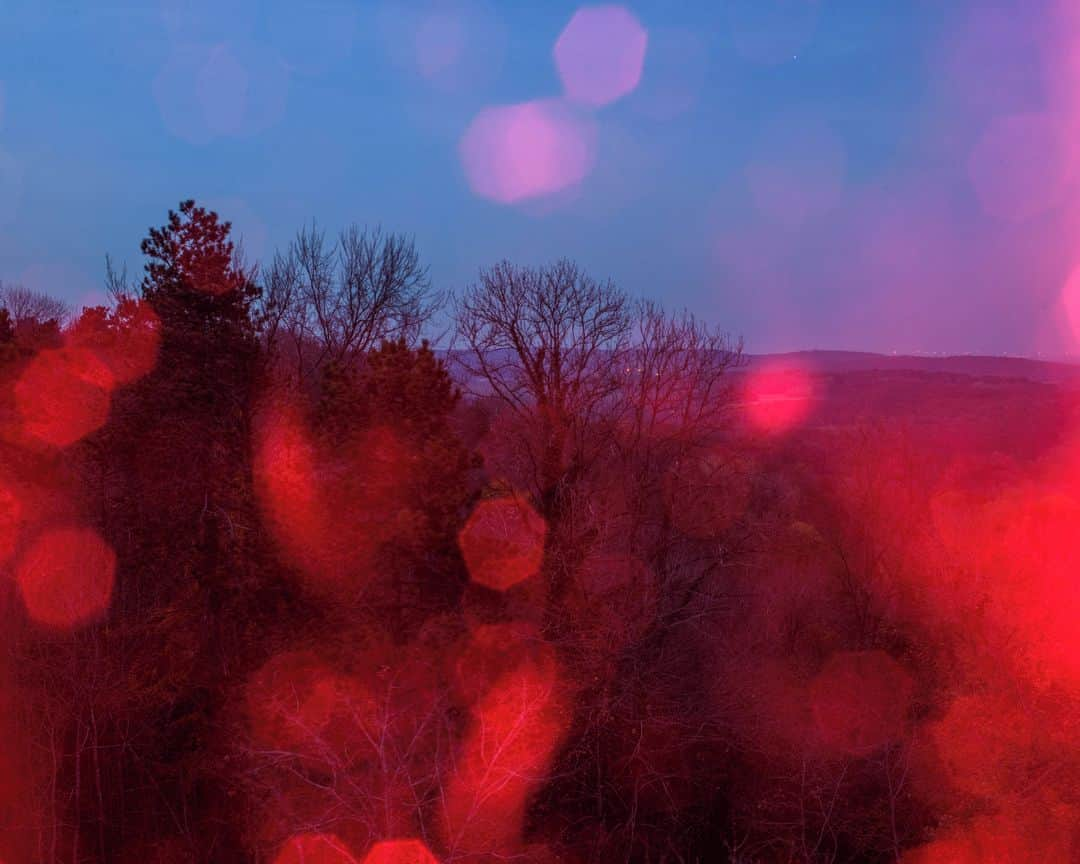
x=288 y=584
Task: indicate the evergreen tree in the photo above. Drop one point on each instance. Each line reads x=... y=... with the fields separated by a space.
x=190 y=568
x=408 y=394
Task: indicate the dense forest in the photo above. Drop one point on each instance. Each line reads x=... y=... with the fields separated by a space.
x=287 y=583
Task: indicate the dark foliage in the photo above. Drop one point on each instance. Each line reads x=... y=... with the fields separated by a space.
x=551 y=597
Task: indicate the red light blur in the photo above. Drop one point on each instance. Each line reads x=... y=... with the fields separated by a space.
x=313 y=497
x=63 y=395
x=290 y=700
x=512 y=736
x=513 y=153
x=400 y=852
x=491 y=652
x=777 y=398
x=503 y=542
x=860 y=701
x=11 y=513
x=66 y=577
x=315 y=849
x=126 y=340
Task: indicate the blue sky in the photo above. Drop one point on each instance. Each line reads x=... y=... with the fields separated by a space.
x=875 y=112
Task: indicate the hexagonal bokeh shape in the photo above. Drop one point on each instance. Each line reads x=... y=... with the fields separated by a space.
x=600 y=54
x=503 y=542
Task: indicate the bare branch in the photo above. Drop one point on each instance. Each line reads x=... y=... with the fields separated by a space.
x=26 y=306
x=336 y=302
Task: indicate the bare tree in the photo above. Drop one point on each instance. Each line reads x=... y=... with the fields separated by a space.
x=334 y=302
x=620 y=410
x=321 y=750
x=611 y=400
x=549 y=344
x=677 y=383
x=677 y=480
x=117 y=285
x=25 y=305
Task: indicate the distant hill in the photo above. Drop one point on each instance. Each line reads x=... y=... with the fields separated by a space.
x=835 y=362
x=843 y=362
x=962 y=404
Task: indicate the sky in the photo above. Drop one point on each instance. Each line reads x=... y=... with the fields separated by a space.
x=885 y=176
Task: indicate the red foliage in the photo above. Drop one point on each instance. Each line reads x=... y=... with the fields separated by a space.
x=194 y=248
x=615 y=600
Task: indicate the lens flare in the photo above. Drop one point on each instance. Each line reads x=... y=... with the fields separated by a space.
x=513 y=734
x=777 y=398
x=11 y=513
x=860 y=701
x=491 y=652
x=66 y=578
x=126 y=340
x=331 y=510
x=63 y=395
x=1070 y=301
x=206 y=91
x=315 y=849
x=503 y=542
x=600 y=54
x=290 y=700
x=1022 y=166
x=400 y=852
x=513 y=153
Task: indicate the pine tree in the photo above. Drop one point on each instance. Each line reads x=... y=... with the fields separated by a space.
x=190 y=570
x=405 y=395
